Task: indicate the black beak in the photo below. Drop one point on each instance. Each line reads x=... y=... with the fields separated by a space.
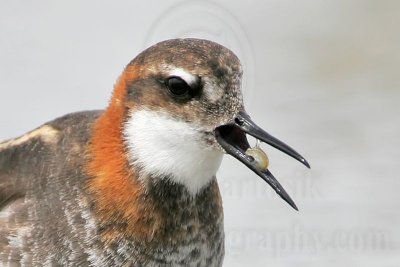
x=232 y=137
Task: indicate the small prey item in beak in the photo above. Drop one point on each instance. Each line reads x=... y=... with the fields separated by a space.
x=232 y=138
x=259 y=156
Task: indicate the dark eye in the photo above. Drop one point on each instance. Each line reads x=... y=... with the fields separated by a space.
x=178 y=86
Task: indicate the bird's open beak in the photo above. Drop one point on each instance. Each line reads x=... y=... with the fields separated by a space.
x=232 y=137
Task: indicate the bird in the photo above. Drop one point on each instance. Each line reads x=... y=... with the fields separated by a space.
x=134 y=184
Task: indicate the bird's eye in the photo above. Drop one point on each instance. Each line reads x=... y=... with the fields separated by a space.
x=178 y=86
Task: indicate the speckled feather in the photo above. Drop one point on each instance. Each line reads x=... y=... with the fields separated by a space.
x=43 y=204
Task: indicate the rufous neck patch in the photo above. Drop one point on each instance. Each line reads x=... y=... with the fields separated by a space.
x=114 y=186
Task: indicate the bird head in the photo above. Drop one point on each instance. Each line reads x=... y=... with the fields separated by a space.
x=184 y=109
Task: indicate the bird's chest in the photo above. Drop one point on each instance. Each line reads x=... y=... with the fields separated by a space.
x=191 y=243
x=183 y=231
x=202 y=247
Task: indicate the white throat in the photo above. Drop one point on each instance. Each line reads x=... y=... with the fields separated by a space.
x=163 y=146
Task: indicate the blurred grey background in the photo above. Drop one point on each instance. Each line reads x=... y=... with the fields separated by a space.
x=323 y=76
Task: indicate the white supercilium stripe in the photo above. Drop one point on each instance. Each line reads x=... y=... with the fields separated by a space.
x=186 y=76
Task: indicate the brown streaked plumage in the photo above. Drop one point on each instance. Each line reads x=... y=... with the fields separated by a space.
x=133 y=185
